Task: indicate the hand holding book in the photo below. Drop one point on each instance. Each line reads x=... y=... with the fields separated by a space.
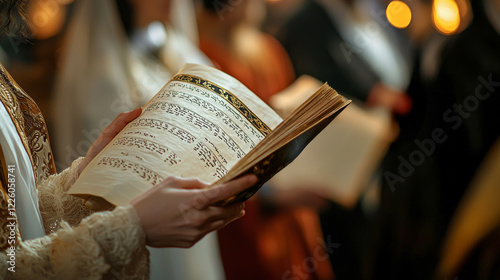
x=183 y=212
x=204 y=124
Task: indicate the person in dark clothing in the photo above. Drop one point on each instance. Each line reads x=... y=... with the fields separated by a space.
x=317 y=41
x=428 y=169
x=310 y=52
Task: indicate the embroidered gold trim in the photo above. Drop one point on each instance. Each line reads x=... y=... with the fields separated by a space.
x=30 y=125
x=229 y=97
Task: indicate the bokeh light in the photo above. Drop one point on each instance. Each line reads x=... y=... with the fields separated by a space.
x=46 y=18
x=398 y=13
x=445 y=16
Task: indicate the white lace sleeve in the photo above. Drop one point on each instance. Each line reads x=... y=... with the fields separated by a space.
x=54 y=202
x=106 y=245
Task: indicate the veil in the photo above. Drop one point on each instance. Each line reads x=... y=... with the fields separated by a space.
x=100 y=76
x=102 y=73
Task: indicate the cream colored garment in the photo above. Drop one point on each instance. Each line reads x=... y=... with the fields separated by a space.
x=103 y=245
x=104 y=74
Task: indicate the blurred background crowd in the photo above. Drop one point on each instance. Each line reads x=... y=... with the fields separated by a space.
x=421 y=135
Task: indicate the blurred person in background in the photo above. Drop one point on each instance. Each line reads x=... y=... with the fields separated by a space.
x=277 y=237
x=351 y=45
x=230 y=37
x=407 y=220
x=118 y=54
x=429 y=171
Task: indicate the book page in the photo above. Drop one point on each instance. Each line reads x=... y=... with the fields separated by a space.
x=198 y=126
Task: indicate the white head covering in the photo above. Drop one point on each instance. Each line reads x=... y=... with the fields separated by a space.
x=102 y=73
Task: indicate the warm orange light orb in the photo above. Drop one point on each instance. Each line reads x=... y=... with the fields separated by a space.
x=398 y=14
x=46 y=18
x=446 y=16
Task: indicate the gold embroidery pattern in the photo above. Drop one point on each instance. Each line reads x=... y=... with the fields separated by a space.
x=32 y=130
x=229 y=97
x=30 y=125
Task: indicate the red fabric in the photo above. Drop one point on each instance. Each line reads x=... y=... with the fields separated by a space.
x=282 y=245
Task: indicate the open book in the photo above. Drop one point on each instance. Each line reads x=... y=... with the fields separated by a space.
x=204 y=124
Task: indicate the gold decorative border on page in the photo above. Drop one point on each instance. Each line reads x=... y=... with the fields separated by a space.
x=229 y=97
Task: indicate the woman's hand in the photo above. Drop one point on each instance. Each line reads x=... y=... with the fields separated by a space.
x=179 y=212
x=108 y=134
